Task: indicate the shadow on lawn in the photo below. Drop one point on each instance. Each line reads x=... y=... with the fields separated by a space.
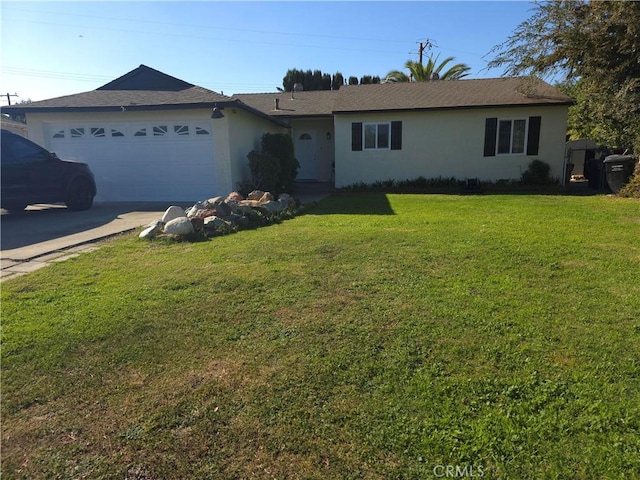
x=349 y=204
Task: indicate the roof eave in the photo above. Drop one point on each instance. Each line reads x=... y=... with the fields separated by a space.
x=26 y=109
x=462 y=107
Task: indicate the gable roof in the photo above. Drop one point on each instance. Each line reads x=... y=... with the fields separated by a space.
x=141 y=89
x=445 y=94
x=292 y=104
x=147 y=89
x=146 y=78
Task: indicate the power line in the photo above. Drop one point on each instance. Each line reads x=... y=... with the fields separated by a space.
x=9 y=95
x=270 y=32
x=165 y=34
x=102 y=78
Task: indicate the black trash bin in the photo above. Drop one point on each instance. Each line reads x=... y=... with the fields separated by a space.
x=619 y=169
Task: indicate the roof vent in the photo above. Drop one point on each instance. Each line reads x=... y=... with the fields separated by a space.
x=434 y=76
x=276 y=101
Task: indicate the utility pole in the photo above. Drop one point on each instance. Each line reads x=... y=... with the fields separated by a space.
x=427 y=44
x=9 y=95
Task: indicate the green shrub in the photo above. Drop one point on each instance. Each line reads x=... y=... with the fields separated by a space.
x=632 y=189
x=265 y=170
x=537 y=174
x=280 y=146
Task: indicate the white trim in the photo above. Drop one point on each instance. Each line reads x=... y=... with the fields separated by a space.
x=524 y=140
x=376 y=125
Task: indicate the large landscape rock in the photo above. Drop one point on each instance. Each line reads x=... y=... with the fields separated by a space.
x=172 y=213
x=179 y=226
x=255 y=195
x=220 y=215
x=152 y=230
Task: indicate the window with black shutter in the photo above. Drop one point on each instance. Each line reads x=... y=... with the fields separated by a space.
x=356 y=136
x=511 y=136
x=533 y=137
x=396 y=135
x=376 y=136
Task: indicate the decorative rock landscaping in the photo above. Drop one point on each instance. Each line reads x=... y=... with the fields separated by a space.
x=220 y=215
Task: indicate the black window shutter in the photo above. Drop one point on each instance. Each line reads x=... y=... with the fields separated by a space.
x=533 y=137
x=490 y=133
x=356 y=136
x=396 y=135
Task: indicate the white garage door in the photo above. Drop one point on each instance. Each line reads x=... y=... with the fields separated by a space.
x=163 y=161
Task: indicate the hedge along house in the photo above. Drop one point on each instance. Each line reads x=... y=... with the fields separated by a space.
x=489 y=129
x=148 y=136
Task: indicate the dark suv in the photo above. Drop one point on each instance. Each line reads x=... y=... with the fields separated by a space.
x=31 y=174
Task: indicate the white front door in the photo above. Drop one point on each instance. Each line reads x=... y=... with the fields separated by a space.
x=306 y=153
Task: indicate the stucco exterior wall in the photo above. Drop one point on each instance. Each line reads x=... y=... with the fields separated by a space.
x=446 y=143
x=244 y=134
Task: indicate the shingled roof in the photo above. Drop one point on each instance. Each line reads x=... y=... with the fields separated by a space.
x=141 y=89
x=147 y=89
x=292 y=104
x=495 y=92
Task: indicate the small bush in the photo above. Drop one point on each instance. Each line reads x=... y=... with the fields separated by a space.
x=537 y=174
x=265 y=170
x=274 y=167
x=632 y=189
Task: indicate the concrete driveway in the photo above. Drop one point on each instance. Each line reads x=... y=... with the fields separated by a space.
x=44 y=233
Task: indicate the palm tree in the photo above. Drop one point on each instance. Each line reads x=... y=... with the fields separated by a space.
x=428 y=72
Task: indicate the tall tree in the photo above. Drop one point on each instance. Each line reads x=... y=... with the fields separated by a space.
x=595 y=48
x=369 y=79
x=337 y=81
x=432 y=70
x=311 y=80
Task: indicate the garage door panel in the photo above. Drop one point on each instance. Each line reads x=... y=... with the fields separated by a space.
x=173 y=166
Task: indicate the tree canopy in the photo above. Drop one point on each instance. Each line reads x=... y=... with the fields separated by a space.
x=595 y=48
x=317 y=80
x=431 y=71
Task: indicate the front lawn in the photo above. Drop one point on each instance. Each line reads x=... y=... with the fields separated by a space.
x=377 y=337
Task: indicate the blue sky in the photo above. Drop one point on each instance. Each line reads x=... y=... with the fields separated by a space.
x=50 y=49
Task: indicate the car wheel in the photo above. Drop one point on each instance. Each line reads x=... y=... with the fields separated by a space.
x=79 y=195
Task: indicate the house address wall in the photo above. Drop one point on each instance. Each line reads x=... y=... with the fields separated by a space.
x=446 y=143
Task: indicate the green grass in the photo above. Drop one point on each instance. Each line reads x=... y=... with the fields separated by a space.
x=375 y=337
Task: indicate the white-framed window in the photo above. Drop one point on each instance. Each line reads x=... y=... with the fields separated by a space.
x=141 y=132
x=377 y=136
x=58 y=134
x=202 y=131
x=115 y=132
x=512 y=136
x=518 y=136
